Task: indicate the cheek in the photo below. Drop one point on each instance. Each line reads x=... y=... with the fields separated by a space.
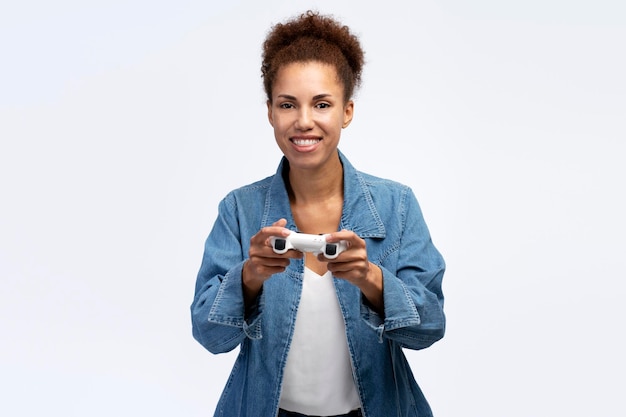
x=280 y=124
x=338 y=121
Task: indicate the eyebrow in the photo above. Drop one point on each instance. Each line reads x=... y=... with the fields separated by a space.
x=317 y=97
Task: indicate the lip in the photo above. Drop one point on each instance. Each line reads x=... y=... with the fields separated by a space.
x=305 y=143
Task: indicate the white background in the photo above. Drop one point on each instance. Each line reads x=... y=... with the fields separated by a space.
x=123 y=123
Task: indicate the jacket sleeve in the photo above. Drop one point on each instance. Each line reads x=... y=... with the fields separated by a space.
x=412 y=288
x=218 y=316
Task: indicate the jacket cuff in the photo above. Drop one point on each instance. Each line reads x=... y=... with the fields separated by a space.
x=252 y=321
x=372 y=319
x=400 y=311
x=229 y=307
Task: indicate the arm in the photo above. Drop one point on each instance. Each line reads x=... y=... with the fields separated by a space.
x=401 y=294
x=402 y=299
x=229 y=287
x=217 y=311
x=412 y=285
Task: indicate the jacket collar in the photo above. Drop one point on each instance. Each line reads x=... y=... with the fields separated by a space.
x=359 y=212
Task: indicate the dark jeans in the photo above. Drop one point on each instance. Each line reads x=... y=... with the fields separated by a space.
x=285 y=413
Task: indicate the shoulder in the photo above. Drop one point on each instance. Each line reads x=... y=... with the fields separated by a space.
x=379 y=186
x=390 y=197
x=262 y=184
x=372 y=182
x=375 y=181
x=249 y=191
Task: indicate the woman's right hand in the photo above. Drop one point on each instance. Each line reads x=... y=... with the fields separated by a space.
x=262 y=261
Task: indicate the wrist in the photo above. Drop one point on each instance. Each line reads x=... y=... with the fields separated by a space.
x=250 y=286
x=373 y=287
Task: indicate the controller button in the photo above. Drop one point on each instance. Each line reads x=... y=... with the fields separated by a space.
x=280 y=244
x=331 y=249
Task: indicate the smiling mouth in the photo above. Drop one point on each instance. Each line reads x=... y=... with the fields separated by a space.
x=305 y=142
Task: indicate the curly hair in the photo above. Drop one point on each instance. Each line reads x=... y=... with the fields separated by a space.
x=313 y=37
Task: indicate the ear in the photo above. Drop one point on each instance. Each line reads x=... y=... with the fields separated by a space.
x=348 y=113
x=270 y=116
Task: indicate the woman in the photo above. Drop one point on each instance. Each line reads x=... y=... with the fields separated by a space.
x=318 y=336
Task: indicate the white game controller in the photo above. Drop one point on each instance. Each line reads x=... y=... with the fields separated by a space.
x=308 y=243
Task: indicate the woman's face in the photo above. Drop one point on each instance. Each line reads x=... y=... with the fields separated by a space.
x=307 y=112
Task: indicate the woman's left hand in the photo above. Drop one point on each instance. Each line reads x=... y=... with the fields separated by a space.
x=354 y=266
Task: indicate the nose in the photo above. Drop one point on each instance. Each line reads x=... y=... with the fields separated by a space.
x=305 y=119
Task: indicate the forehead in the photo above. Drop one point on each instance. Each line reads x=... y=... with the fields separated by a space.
x=307 y=77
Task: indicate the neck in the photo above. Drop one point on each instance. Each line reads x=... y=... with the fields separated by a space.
x=316 y=186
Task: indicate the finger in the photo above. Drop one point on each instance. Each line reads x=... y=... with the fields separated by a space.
x=352 y=239
x=280 y=222
x=341 y=235
x=276 y=229
x=349 y=271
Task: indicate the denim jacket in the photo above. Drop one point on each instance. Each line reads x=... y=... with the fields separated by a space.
x=383 y=213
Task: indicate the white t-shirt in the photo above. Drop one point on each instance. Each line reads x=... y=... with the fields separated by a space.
x=318 y=375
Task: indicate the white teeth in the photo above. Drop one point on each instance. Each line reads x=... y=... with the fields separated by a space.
x=305 y=142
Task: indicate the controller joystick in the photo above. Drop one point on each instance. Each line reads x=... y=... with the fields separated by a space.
x=308 y=243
